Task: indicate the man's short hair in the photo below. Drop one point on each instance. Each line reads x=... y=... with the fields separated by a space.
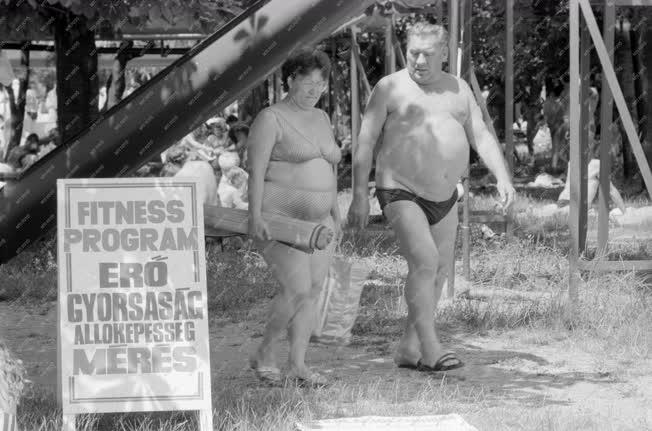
x=421 y=28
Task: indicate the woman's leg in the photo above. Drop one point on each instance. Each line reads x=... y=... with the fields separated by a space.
x=303 y=321
x=291 y=268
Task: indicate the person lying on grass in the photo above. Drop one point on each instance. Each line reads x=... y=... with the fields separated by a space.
x=428 y=119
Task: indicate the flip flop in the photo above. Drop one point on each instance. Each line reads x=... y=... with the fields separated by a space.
x=268 y=375
x=315 y=380
x=439 y=365
x=410 y=366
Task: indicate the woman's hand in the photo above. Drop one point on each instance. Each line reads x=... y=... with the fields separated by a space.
x=258 y=228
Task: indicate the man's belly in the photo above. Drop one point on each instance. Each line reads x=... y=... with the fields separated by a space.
x=427 y=161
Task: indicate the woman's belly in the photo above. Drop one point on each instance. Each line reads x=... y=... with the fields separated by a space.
x=305 y=191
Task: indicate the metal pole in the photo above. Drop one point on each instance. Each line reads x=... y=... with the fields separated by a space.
x=466 y=71
x=509 y=86
x=574 y=174
x=606 y=112
x=585 y=58
x=453 y=25
x=355 y=96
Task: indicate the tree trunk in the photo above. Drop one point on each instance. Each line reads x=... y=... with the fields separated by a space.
x=77 y=78
x=623 y=58
x=17 y=105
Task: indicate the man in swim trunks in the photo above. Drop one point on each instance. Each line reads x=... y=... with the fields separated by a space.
x=428 y=119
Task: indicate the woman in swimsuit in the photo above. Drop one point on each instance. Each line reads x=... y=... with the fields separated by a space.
x=292 y=160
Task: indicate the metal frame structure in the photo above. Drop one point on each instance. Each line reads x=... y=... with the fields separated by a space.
x=584 y=28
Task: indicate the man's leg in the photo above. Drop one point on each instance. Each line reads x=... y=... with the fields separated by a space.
x=417 y=246
x=444 y=234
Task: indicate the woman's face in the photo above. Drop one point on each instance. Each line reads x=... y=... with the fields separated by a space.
x=306 y=90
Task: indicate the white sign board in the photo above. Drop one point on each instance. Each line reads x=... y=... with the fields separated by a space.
x=133 y=317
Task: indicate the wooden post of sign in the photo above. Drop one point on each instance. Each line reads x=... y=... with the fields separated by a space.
x=509 y=84
x=355 y=96
x=68 y=422
x=606 y=110
x=574 y=172
x=205 y=420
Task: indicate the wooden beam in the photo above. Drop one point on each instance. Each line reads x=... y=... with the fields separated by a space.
x=399 y=52
x=453 y=26
x=509 y=85
x=360 y=66
x=574 y=172
x=606 y=110
x=390 y=53
x=439 y=7
x=585 y=77
x=619 y=99
x=633 y=2
x=614 y=265
x=355 y=97
x=465 y=16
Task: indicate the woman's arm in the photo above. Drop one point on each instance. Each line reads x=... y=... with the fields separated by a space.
x=262 y=139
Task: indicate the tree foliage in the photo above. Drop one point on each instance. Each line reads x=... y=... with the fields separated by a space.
x=33 y=20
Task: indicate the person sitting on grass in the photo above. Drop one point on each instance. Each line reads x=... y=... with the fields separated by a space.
x=233 y=188
x=292 y=159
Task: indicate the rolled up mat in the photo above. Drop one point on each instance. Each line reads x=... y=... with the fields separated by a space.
x=302 y=234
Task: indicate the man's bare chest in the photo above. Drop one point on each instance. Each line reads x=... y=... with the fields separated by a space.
x=419 y=109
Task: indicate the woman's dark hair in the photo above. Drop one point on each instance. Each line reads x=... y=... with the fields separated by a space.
x=303 y=62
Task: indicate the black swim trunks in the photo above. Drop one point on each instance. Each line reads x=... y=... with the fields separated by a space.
x=434 y=211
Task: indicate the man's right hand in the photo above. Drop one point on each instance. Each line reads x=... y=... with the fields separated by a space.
x=258 y=229
x=358 y=216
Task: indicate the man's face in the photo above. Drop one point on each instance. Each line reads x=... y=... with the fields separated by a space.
x=425 y=55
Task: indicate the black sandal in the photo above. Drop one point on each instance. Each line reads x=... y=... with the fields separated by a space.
x=439 y=365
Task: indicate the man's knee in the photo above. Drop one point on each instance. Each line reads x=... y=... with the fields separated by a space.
x=424 y=262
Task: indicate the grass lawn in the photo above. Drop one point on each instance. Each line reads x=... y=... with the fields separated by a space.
x=531 y=364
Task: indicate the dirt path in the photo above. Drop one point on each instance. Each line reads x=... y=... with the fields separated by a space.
x=507 y=371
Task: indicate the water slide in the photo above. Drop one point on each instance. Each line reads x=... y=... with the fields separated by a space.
x=211 y=76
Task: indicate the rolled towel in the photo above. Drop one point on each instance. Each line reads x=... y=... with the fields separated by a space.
x=302 y=234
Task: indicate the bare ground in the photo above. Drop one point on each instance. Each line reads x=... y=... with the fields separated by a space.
x=520 y=371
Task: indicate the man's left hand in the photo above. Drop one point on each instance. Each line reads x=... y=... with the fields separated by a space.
x=507 y=194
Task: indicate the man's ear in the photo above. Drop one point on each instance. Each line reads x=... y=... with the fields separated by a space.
x=445 y=56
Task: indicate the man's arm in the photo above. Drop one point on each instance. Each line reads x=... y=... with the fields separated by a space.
x=481 y=139
x=370 y=129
